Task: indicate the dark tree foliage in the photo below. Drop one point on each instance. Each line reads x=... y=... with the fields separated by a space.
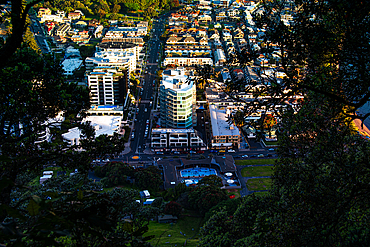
x=204 y=197
x=33 y=94
x=229 y=206
x=149 y=178
x=117 y=173
x=173 y=208
x=211 y=180
x=320 y=190
x=114 y=174
x=73 y=208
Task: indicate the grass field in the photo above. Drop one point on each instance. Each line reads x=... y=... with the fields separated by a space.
x=271 y=143
x=255 y=162
x=260 y=193
x=259 y=184
x=235 y=192
x=168 y=234
x=257 y=171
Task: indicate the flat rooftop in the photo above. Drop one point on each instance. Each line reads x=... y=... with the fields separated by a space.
x=168 y=130
x=219 y=120
x=102 y=125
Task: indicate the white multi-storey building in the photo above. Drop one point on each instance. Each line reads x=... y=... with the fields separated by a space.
x=187 y=61
x=177 y=99
x=119 y=60
x=106 y=86
x=116 y=32
x=120 y=47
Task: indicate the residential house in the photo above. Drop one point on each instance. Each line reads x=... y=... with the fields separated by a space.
x=74 y=15
x=204 y=18
x=43 y=11
x=232 y=12
x=49 y=27
x=214 y=34
x=62 y=29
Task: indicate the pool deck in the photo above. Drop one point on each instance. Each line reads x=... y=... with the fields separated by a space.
x=171 y=167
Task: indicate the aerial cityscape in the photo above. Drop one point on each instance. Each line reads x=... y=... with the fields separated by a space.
x=185 y=123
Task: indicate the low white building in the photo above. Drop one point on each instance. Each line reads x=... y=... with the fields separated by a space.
x=187 y=61
x=166 y=139
x=220 y=57
x=107 y=125
x=70 y=65
x=116 y=32
x=225 y=135
x=55 y=18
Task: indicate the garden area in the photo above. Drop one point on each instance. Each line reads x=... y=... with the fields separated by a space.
x=186 y=229
x=257 y=171
x=255 y=162
x=259 y=184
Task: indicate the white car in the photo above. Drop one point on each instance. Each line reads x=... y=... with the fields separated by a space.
x=244 y=156
x=231 y=151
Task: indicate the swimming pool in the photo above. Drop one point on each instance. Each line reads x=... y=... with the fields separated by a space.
x=197 y=172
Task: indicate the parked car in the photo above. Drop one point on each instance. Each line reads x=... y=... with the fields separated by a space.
x=192 y=152
x=244 y=156
x=231 y=151
x=176 y=152
x=271 y=149
x=213 y=151
x=260 y=156
x=158 y=152
x=184 y=152
x=200 y=152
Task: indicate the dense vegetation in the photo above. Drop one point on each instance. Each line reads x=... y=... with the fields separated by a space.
x=112 y=8
x=320 y=190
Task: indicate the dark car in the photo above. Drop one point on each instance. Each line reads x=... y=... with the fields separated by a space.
x=213 y=151
x=200 y=152
x=184 y=152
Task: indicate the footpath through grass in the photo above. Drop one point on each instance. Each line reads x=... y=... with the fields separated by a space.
x=172 y=234
x=259 y=184
x=255 y=162
x=257 y=171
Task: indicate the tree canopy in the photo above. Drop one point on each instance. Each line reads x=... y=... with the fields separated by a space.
x=320 y=184
x=38 y=107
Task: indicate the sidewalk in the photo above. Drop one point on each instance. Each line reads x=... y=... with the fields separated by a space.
x=127 y=148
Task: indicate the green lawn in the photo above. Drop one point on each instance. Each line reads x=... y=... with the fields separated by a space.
x=259 y=184
x=260 y=193
x=257 y=171
x=271 y=143
x=167 y=234
x=255 y=162
x=235 y=192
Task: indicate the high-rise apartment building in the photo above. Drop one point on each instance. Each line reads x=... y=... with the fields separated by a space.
x=177 y=100
x=107 y=86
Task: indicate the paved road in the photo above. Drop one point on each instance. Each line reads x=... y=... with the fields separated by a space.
x=147 y=100
x=38 y=32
